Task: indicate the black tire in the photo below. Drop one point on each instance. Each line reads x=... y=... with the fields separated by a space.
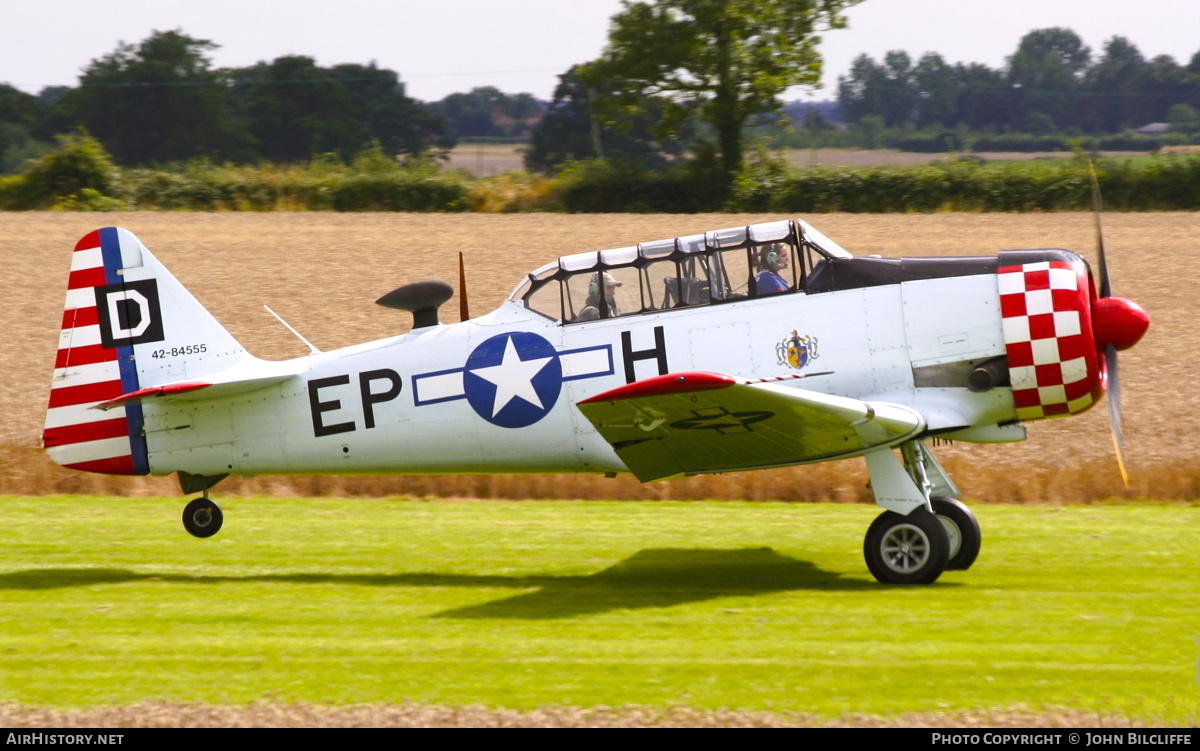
x=909 y=549
x=202 y=517
x=963 y=530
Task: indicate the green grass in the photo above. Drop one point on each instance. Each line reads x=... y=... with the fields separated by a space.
x=739 y=605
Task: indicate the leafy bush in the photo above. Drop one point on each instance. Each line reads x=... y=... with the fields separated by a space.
x=597 y=186
x=373 y=182
x=399 y=192
x=187 y=190
x=513 y=192
x=78 y=163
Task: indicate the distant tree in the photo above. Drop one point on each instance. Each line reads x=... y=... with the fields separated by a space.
x=937 y=91
x=157 y=101
x=720 y=61
x=469 y=115
x=400 y=124
x=50 y=95
x=887 y=90
x=1184 y=119
x=984 y=97
x=293 y=109
x=17 y=107
x=568 y=131
x=486 y=111
x=860 y=91
x=1073 y=55
x=900 y=95
x=1045 y=75
x=1161 y=83
x=1112 y=86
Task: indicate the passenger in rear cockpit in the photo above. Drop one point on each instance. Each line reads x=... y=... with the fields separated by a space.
x=772 y=259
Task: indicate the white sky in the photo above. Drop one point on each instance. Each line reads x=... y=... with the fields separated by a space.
x=440 y=47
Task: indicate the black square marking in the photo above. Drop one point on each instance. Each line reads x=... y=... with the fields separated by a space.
x=129 y=313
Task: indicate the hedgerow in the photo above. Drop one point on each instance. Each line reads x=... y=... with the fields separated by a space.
x=78 y=175
x=1166 y=183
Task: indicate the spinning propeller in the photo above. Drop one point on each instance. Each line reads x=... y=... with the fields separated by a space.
x=1118 y=324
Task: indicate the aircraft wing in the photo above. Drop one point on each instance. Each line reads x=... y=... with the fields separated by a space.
x=701 y=422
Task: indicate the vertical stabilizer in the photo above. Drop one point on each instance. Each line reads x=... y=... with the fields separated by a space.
x=127 y=324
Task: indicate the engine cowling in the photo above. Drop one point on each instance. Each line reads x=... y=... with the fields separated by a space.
x=1056 y=330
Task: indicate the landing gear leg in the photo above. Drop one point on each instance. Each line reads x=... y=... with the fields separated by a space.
x=909 y=543
x=202 y=517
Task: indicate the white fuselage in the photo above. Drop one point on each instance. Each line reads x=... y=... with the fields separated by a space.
x=498 y=393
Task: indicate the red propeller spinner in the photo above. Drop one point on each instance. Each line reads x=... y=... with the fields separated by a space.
x=1119 y=322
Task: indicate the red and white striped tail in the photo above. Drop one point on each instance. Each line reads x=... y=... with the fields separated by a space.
x=87 y=372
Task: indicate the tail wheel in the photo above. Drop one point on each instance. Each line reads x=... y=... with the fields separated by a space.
x=909 y=549
x=202 y=517
x=963 y=530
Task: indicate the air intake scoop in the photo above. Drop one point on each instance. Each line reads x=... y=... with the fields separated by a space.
x=422 y=299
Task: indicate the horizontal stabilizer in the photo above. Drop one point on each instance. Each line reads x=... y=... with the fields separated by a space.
x=701 y=422
x=187 y=390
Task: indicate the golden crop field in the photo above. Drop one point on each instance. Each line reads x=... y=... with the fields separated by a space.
x=321 y=272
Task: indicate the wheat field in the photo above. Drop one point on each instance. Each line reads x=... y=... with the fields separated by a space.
x=321 y=272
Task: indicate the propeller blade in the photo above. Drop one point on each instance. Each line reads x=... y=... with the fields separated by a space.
x=1113 y=386
x=463 y=313
x=1105 y=287
x=1114 y=410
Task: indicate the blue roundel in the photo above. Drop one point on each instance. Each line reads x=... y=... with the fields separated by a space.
x=513 y=380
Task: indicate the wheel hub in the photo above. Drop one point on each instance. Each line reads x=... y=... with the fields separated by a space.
x=905 y=548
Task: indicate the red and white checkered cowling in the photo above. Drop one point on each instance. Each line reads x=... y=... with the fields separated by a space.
x=1053 y=362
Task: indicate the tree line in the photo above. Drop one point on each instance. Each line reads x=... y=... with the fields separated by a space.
x=1052 y=83
x=677 y=75
x=679 y=88
x=162 y=101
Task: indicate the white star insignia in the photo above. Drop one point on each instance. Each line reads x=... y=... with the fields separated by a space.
x=513 y=378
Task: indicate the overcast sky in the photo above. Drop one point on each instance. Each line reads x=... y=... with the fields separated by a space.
x=440 y=47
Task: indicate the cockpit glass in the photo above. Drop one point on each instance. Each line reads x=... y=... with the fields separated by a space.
x=822 y=242
x=724 y=265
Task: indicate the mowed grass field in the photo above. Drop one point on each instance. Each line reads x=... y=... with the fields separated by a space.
x=1089 y=613
x=322 y=273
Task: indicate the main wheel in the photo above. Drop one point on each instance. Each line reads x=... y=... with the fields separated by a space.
x=909 y=549
x=963 y=530
x=202 y=517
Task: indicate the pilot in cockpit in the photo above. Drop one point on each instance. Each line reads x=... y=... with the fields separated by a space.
x=772 y=259
x=591 y=307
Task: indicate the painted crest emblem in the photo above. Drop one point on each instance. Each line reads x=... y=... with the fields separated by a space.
x=796 y=351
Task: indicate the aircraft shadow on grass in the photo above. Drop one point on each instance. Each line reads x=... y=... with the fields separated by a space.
x=654 y=578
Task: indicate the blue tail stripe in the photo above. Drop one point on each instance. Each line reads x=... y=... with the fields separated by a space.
x=110 y=251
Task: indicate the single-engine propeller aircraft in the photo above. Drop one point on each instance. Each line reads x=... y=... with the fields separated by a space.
x=744 y=348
